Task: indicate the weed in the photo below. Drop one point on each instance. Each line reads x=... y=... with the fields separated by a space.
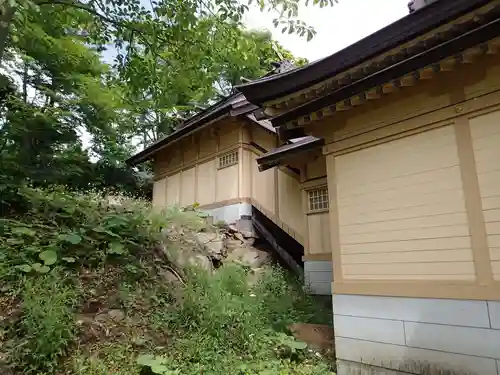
x=116 y=359
x=222 y=323
x=47 y=325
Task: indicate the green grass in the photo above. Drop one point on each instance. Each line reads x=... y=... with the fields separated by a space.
x=47 y=325
x=67 y=258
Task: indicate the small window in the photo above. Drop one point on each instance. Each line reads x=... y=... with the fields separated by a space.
x=318 y=199
x=227 y=160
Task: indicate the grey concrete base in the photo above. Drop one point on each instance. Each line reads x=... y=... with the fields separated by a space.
x=230 y=214
x=318 y=276
x=239 y=214
x=356 y=368
x=416 y=335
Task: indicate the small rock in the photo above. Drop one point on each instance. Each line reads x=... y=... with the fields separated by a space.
x=169 y=276
x=239 y=236
x=116 y=314
x=250 y=256
x=210 y=242
x=201 y=261
x=232 y=244
x=249 y=242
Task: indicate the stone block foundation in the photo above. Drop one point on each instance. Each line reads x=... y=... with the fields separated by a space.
x=318 y=276
x=396 y=335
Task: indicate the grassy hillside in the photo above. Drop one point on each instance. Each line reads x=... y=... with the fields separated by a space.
x=93 y=287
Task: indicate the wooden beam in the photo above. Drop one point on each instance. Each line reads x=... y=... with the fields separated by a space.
x=389 y=87
x=493 y=46
x=428 y=72
x=343 y=105
x=373 y=93
x=358 y=100
x=447 y=65
x=408 y=80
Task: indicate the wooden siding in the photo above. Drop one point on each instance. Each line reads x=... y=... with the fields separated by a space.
x=263 y=186
x=485 y=132
x=316 y=168
x=318 y=233
x=227 y=183
x=188 y=187
x=206 y=182
x=399 y=206
x=190 y=168
x=196 y=176
x=290 y=201
x=229 y=135
x=160 y=193
x=174 y=189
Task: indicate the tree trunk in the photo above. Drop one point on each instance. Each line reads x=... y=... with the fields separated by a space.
x=6 y=16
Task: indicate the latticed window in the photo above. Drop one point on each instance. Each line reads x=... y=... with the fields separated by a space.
x=227 y=160
x=318 y=199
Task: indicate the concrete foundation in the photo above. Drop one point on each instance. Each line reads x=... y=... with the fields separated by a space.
x=395 y=335
x=318 y=276
x=230 y=214
x=239 y=214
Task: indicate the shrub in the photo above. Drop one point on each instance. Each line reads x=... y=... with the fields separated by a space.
x=61 y=228
x=221 y=324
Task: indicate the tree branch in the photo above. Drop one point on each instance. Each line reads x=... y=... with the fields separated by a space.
x=85 y=7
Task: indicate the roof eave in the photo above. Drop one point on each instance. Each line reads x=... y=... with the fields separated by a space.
x=277 y=156
x=431 y=56
x=399 y=32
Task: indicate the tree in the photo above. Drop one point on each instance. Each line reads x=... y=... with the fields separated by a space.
x=68 y=117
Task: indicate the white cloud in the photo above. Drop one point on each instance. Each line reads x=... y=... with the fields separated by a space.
x=337 y=27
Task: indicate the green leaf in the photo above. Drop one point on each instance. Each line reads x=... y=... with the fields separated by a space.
x=145 y=359
x=24 y=231
x=24 y=268
x=49 y=257
x=72 y=238
x=300 y=345
x=39 y=268
x=105 y=231
x=116 y=248
x=159 y=368
x=69 y=259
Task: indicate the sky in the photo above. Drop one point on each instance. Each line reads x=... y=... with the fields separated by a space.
x=337 y=27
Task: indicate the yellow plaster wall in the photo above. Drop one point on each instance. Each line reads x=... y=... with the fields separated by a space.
x=205 y=193
x=290 y=201
x=189 y=168
x=413 y=180
x=160 y=193
x=401 y=211
x=188 y=186
x=485 y=131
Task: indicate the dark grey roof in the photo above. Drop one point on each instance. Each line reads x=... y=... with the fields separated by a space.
x=233 y=105
x=274 y=157
x=397 y=33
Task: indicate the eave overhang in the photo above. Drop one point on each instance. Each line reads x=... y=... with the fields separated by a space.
x=460 y=44
x=313 y=79
x=233 y=106
x=284 y=153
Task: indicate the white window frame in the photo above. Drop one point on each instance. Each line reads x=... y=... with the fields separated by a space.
x=318 y=199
